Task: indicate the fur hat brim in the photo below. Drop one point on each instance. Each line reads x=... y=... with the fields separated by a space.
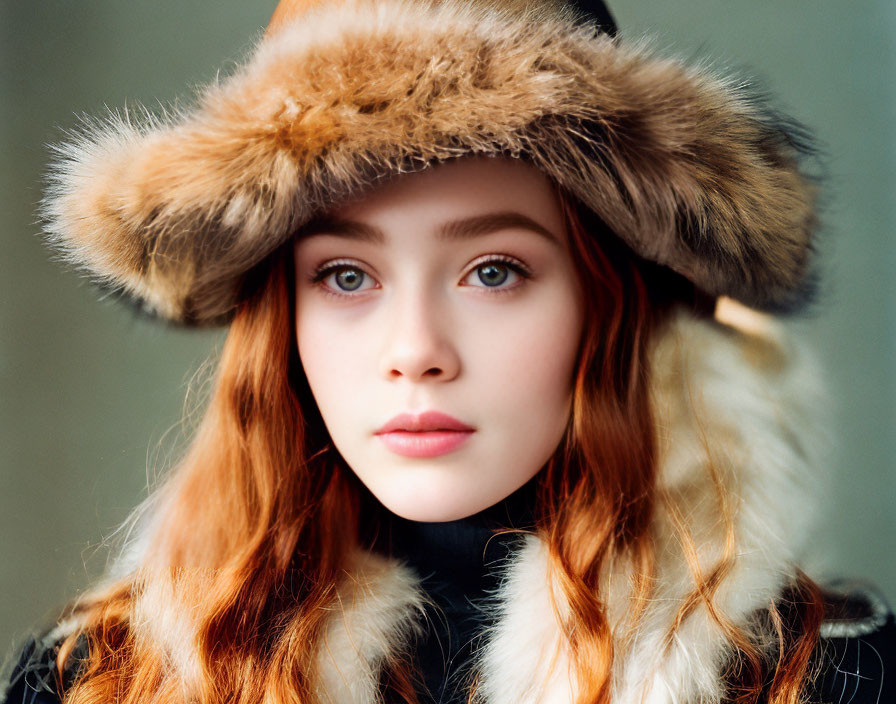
x=689 y=169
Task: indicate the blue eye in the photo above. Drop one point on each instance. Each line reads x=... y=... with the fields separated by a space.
x=492 y=274
x=349 y=279
x=496 y=272
x=336 y=278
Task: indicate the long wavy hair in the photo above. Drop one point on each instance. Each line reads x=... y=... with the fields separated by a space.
x=223 y=592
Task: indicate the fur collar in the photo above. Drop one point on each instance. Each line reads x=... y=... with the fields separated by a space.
x=741 y=392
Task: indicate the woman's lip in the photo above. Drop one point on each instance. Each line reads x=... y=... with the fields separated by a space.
x=424 y=443
x=423 y=422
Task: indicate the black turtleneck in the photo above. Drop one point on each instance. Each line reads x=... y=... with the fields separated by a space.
x=459 y=564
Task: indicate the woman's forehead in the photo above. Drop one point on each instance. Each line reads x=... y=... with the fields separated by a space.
x=454 y=200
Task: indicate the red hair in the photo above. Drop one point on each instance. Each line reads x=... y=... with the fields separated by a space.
x=250 y=535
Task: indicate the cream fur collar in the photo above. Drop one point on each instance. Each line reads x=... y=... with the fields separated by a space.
x=742 y=390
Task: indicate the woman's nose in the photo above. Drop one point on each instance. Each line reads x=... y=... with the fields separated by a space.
x=418 y=342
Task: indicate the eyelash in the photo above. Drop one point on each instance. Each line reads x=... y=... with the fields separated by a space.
x=323 y=271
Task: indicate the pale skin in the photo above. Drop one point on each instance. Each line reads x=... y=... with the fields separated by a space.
x=483 y=326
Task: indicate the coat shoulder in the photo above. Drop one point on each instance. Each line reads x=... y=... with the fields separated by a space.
x=856 y=653
x=34 y=678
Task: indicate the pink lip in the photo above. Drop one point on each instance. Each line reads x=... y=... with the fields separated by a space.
x=426 y=435
x=430 y=420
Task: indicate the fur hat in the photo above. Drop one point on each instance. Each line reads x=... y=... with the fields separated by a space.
x=691 y=170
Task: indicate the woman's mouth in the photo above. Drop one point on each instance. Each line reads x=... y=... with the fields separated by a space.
x=428 y=443
x=428 y=434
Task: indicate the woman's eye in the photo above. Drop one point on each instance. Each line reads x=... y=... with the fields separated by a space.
x=496 y=274
x=343 y=278
x=348 y=279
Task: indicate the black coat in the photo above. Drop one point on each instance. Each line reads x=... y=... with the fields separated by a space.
x=856 y=654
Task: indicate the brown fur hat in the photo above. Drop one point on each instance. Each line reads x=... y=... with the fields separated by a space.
x=687 y=168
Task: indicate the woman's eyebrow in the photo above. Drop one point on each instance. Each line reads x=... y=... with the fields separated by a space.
x=465 y=228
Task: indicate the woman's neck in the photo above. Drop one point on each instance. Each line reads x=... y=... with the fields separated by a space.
x=459 y=556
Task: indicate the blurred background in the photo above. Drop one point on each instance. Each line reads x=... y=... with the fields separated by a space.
x=91 y=396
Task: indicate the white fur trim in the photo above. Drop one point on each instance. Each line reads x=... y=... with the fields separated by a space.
x=751 y=397
x=374 y=612
x=524 y=660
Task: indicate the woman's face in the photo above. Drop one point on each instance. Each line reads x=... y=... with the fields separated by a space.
x=449 y=291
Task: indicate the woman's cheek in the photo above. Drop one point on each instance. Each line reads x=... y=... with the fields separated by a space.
x=534 y=348
x=326 y=351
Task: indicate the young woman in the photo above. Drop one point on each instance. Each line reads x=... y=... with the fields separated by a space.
x=490 y=423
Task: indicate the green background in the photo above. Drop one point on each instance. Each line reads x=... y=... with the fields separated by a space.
x=91 y=397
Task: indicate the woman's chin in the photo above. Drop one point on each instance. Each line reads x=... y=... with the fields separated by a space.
x=433 y=501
